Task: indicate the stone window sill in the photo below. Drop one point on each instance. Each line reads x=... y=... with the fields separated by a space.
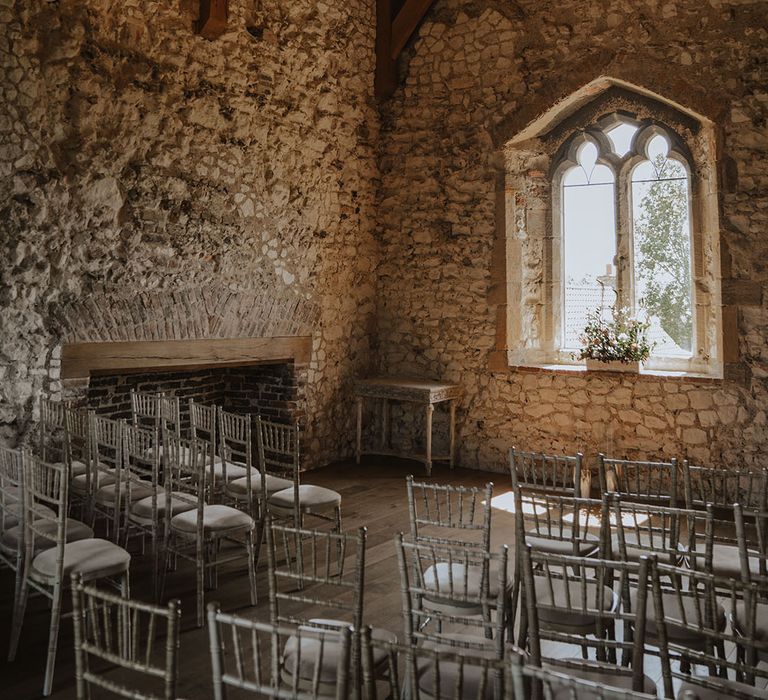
x=696 y=377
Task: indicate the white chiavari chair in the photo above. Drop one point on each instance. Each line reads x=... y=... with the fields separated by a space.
x=719 y=488
x=279 y=456
x=139 y=642
x=241 y=480
x=247 y=655
x=49 y=571
x=195 y=529
x=588 y=603
x=473 y=617
x=688 y=605
x=319 y=571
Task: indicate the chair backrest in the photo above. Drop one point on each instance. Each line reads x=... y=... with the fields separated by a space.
x=468 y=584
x=724 y=487
x=45 y=489
x=752 y=541
x=141 y=462
x=248 y=655
x=236 y=441
x=145 y=409
x=550 y=683
x=170 y=413
x=650 y=529
x=79 y=435
x=187 y=465
x=450 y=514
x=554 y=518
x=636 y=480
x=106 y=443
x=202 y=422
x=439 y=672
x=138 y=637
x=568 y=598
x=688 y=604
x=52 y=444
x=315 y=568
x=11 y=487
x=278 y=448
x=552 y=474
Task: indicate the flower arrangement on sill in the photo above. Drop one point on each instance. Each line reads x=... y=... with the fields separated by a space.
x=623 y=339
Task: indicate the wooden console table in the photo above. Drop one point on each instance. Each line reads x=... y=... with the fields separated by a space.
x=425 y=392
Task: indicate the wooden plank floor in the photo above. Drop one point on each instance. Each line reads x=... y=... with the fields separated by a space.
x=373 y=495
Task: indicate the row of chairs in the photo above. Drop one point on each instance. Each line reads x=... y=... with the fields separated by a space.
x=721 y=534
x=146 y=481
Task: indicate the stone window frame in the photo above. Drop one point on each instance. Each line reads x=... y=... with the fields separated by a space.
x=526 y=329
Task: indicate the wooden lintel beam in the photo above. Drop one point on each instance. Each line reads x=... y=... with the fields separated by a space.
x=80 y=360
x=212 y=22
x=405 y=24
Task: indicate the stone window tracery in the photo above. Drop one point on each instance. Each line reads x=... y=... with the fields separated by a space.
x=608 y=167
x=622 y=217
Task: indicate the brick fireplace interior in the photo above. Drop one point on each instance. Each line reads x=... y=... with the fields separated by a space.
x=272 y=390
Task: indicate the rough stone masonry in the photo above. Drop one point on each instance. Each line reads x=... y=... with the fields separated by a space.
x=478 y=71
x=158 y=185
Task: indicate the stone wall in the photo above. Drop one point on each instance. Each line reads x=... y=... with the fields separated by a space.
x=154 y=184
x=480 y=71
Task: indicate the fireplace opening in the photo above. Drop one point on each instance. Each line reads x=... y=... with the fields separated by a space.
x=272 y=390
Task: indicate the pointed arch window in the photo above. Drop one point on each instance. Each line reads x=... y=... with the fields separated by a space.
x=623 y=236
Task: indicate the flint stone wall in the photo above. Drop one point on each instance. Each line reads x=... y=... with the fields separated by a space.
x=156 y=185
x=478 y=72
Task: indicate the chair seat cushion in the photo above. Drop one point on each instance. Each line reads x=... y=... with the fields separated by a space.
x=450 y=671
x=93 y=558
x=598 y=672
x=561 y=542
x=235 y=470
x=180 y=503
x=14 y=511
x=558 y=614
x=216 y=518
x=310 y=648
x=103 y=478
x=239 y=487
x=645 y=545
x=76 y=468
x=725 y=689
x=310 y=498
x=108 y=493
x=673 y=614
x=75 y=531
x=727 y=562
x=454 y=581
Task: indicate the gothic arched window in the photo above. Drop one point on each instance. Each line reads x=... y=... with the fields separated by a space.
x=622 y=219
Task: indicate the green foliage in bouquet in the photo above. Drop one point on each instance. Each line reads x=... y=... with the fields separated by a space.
x=622 y=339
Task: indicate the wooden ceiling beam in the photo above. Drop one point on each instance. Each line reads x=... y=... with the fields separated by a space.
x=213 y=18
x=406 y=22
x=396 y=21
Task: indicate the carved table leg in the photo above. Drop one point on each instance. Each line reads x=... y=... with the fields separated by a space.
x=452 y=429
x=359 y=441
x=428 y=458
x=385 y=424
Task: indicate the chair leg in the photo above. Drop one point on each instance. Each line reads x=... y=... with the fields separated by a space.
x=251 y=566
x=53 y=639
x=200 y=582
x=19 y=609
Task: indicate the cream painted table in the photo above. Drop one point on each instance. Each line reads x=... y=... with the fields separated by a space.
x=424 y=392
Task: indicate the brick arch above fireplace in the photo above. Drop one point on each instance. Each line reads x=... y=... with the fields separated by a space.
x=111 y=314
